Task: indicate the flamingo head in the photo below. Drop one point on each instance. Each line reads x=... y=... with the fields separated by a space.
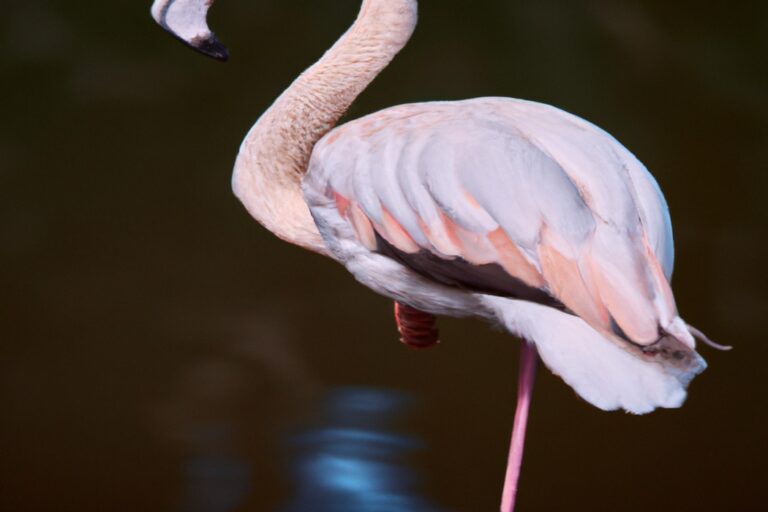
x=186 y=20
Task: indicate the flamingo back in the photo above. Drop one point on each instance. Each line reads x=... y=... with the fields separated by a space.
x=553 y=202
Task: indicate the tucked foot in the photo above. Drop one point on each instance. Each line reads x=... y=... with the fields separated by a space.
x=417 y=328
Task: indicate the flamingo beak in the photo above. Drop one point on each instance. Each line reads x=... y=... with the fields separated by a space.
x=186 y=20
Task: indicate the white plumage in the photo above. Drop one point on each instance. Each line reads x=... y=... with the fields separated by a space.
x=553 y=200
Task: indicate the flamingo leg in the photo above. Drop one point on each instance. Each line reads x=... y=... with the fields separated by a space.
x=526 y=377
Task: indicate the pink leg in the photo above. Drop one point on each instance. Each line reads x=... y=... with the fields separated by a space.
x=528 y=359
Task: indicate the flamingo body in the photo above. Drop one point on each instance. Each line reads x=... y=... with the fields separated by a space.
x=502 y=208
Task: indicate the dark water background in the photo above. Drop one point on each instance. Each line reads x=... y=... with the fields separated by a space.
x=159 y=351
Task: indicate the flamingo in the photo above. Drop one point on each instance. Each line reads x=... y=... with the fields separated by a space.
x=509 y=210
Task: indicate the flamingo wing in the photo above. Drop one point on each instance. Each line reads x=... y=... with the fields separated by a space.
x=511 y=198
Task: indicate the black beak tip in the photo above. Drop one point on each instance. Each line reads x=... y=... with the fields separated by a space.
x=211 y=47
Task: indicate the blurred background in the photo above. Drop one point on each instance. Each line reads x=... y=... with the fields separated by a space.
x=159 y=351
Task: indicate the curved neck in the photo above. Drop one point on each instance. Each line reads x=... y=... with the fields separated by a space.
x=275 y=153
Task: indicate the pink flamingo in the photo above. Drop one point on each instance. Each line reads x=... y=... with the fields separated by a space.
x=499 y=208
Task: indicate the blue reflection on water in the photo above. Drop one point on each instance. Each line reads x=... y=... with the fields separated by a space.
x=216 y=478
x=353 y=463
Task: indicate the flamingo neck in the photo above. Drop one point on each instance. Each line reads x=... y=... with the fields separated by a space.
x=275 y=154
